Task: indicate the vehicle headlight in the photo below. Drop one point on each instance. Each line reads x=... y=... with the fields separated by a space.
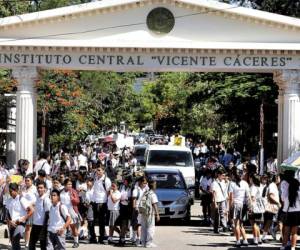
x=182 y=201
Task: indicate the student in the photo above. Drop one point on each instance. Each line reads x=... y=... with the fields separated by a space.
x=90 y=215
x=148 y=219
x=70 y=198
x=101 y=186
x=29 y=192
x=40 y=218
x=59 y=221
x=205 y=185
x=219 y=197
x=137 y=193
x=125 y=208
x=113 y=205
x=258 y=209
x=19 y=211
x=292 y=210
x=239 y=194
x=42 y=163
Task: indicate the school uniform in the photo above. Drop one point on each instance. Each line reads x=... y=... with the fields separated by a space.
x=137 y=193
x=99 y=198
x=17 y=208
x=113 y=208
x=148 y=223
x=65 y=199
x=39 y=222
x=219 y=187
x=90 y=214
x=30 y=195
x=57 y=219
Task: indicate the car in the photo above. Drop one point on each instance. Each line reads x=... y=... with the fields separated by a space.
x=173 y=195
x=167 y=156
x=139 y=153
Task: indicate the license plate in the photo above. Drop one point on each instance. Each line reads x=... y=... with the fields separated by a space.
x=161 y=210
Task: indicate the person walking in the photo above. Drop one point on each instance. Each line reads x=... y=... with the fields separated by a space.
x=219 y=197
x=239 y=196
x=148 y=212
x=19 y=211
x=40 y=218
x=59 y=221
x=101 y=188
x=70 y=198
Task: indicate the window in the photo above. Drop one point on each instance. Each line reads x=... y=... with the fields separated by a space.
x=170 y=158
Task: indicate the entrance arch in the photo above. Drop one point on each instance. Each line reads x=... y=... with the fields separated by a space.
x=182 y=35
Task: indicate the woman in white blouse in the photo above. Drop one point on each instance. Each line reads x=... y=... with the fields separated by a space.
x=29 y=192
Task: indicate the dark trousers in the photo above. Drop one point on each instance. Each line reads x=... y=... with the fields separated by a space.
x=91 y=229
x=100 y=213
x=15 y=234
x=38 y=233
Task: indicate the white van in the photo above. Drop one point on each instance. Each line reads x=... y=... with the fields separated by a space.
x=165 y=156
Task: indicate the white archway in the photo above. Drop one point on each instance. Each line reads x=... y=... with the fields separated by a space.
x=114 y=35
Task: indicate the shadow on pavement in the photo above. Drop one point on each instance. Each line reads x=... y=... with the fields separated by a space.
x=2 y=246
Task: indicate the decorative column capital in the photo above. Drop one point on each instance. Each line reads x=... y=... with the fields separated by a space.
x=26 y=77
x=288 y=81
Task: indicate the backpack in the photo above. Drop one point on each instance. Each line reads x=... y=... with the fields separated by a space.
x=145 y=205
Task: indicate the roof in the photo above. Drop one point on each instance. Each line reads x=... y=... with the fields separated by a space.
x=86 y=8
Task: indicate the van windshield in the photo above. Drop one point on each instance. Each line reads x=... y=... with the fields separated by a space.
x=170 y=158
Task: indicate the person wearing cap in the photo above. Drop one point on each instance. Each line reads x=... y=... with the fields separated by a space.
x=19 y=211
x=219 y=196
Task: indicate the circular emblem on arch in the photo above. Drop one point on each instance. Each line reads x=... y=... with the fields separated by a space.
x=160 y=20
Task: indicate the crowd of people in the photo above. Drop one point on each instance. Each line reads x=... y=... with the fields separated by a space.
x=69 y=195
x=236 y=195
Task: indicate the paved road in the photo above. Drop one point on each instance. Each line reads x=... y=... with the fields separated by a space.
x=177 y=236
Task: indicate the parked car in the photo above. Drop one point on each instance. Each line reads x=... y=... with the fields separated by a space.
x=173 y=195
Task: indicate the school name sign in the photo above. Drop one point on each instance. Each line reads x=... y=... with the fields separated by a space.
x=150 y=62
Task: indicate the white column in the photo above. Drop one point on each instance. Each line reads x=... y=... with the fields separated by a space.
x=288 y=112
x=26 y=123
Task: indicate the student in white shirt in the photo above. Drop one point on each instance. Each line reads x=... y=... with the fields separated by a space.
x=219 y=197
x=239 y=194
x=59 y=221
x=206 y=197
x=125 y=208
x=148 y=220
x=42 y=164
x=101 y=187
x=40 y=218
x=113 y=205
x=19 y=211
x=292 y=210
x=29 y=192
x=140 y=188
x=272 y=197
x=90 y=214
